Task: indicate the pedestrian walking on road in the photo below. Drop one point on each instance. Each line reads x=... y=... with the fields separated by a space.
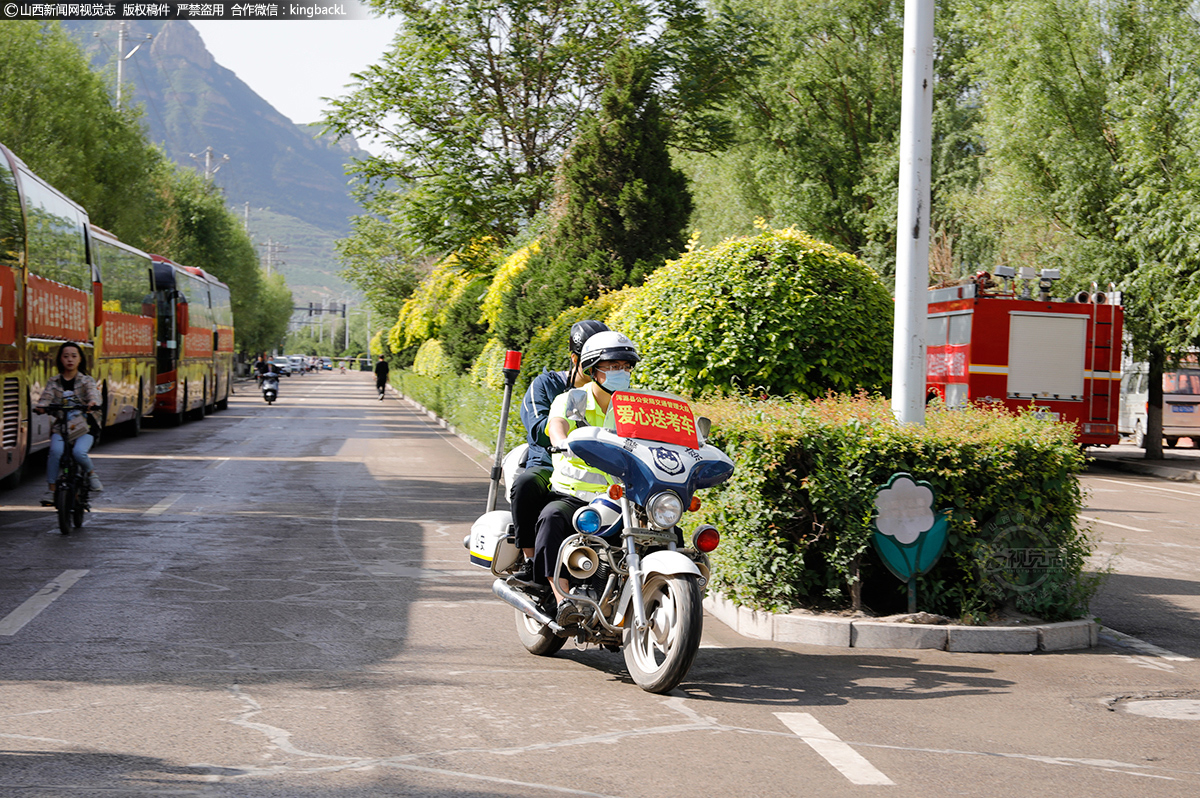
x=381 y=376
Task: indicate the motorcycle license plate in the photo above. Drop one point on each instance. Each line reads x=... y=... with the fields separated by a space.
x=1183 y=408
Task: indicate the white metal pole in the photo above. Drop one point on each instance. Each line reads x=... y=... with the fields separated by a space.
x=120 y=60
x=912 y=239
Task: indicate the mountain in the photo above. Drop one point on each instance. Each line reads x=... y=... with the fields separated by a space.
x=287 y=179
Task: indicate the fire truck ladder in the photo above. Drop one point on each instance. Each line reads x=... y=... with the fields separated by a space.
x=1104 y=349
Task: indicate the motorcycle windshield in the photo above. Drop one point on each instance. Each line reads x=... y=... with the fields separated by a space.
x=649 y=467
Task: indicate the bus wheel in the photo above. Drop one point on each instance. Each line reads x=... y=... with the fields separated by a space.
x=1139 y=436
x=134 y=426
x=1171 y=442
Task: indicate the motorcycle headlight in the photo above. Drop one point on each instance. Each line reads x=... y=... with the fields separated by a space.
x=664 y=509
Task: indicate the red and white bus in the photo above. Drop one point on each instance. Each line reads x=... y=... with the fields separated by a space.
x=195 y=341
x=124 y=341
x=62 y=279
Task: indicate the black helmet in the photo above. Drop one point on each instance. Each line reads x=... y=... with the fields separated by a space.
x=583 y=330
x=607 y=345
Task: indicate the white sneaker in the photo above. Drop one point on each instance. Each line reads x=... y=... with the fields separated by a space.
x=94 y=483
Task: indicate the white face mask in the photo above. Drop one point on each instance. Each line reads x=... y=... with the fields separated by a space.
x=615 y=380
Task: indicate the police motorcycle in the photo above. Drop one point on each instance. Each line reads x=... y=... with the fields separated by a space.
x=270 y=386
x=637 y=583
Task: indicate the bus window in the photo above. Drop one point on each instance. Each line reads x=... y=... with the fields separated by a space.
x=127 y=277
x=55 y=228
x=12 y=235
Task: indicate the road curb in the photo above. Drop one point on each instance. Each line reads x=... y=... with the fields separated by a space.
x=869 y=633
x=1173 y=473
x=441 y=422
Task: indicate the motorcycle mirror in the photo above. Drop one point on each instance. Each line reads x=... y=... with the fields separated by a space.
x=703 y=427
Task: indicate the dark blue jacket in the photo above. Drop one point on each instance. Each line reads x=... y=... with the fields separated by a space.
x=535 y=412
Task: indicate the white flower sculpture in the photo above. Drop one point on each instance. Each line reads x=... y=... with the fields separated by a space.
x=905 y=510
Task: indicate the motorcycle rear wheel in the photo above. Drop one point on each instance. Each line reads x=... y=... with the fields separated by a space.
x=536 y=638
x=659 y=657
x=78 y=509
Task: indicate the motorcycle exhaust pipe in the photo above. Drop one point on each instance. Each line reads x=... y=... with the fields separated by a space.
x=522 y=602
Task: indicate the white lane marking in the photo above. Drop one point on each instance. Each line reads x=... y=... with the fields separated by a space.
x=1191 y=493
x=164 y=505
x=12 y=623
x=1113 y=523
x=1129 y=641
x=853 y=765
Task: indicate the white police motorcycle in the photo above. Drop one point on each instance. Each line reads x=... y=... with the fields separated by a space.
x=637 y=584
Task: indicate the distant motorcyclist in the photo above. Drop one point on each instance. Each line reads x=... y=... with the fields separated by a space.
x=531 y=490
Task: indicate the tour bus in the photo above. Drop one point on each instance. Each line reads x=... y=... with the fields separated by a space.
x=1181 y=402
x=46 y=297
x=195 y=341
x=124 y=362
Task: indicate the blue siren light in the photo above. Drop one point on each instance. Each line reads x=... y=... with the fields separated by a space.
x=587 y=521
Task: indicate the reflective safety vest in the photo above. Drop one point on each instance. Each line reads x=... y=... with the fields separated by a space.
x=572 y=476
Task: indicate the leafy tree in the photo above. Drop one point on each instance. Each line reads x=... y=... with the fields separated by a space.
x=624 y=206
x=818 y=128
x=478 y=100
x=1091 y=126
x=464 y=334
x=378 y=262
x=56 y=115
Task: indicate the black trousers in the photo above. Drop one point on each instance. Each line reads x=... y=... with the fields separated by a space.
x=530 y=493
x=553 y=527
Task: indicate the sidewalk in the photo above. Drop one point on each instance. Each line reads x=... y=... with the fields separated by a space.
x=1180 y=465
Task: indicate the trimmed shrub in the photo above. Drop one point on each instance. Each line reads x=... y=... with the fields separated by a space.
x=778 y=313
x=431 y=361
x=796 y=516
x=504 y=282
x=463 y=335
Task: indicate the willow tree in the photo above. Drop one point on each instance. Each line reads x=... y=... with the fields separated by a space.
x=1091 y=123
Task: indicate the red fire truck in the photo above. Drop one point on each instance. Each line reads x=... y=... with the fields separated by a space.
x=989 y=342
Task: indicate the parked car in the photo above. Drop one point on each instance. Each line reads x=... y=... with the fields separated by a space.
x=327 y=363
x=283 y=364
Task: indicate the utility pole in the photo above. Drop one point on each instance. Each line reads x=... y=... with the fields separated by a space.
x=912 y=218
x=122 y=56
x=209 y=169
x=273 y=249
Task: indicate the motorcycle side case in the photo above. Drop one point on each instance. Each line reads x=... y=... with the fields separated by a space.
x=492 y=545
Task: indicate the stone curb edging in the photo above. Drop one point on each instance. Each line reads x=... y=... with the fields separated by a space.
x=1176 y=474
x=817 y=630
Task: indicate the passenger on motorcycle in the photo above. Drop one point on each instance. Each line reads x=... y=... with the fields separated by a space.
x=72 y=385
x=531 y=490
x=607 y=357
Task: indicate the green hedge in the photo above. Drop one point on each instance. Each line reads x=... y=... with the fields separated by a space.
x=796 y=516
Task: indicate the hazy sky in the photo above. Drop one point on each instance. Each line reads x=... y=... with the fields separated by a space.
x=293 y=64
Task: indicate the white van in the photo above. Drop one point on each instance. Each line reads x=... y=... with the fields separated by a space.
x=1181 y=403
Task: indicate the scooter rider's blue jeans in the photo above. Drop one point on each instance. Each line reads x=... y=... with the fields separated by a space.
x=83 y=445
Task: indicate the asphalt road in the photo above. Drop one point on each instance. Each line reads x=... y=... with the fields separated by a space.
x=275 y=601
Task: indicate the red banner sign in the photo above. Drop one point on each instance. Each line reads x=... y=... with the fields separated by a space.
x=57 y=310
x=946 y=361
x=198 y=342
x=127 y=334
x=8 y=306
x=654 y=417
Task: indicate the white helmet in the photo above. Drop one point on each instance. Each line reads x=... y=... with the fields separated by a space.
x=607 y=345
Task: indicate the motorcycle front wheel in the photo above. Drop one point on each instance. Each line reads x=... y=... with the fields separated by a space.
x=64 y=502
x=659 y=657
x=536 y=638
